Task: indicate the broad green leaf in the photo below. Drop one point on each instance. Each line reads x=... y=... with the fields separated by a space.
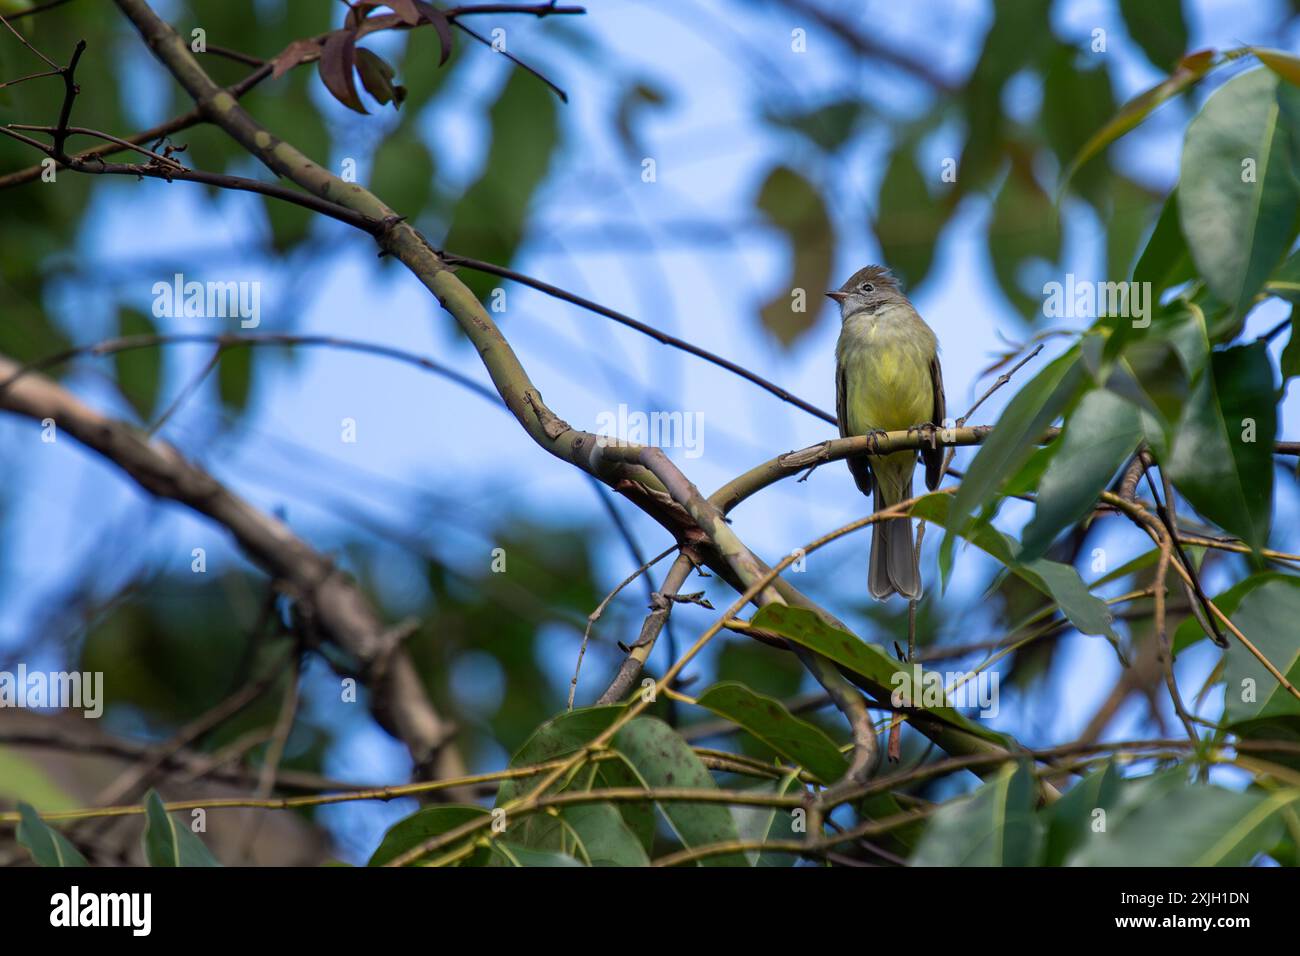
x=1157 y=27
x=639 y=817
x=1190 y=630
x=1222 y=454
x=606 y=839
x=795 y=207
x=798 y=741
x=1017 y=432
x=1190 y=70
x=167 y=843
x=1190 y=825
x=1165 y=262
x=1268 y=615
x=515 y=854
x=47 y=845
x=139 y=371
x=1060 y=582
x=403 y=173
x=1077 y=99
x=555 y=739
x=1237 y=195
x=1023 y=228
x=1003 y=54
x=661 y=758
x=908 y=220
x=410 y=832
x=489 y=221
x=994 y=826
x=806 y=628
x=1100 y=435
x=1075 y=816
x=768 y=823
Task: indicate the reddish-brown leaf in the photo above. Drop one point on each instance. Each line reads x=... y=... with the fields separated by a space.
x=337 y=60
x=440 y=24
x=407 y=10
x=295 y=53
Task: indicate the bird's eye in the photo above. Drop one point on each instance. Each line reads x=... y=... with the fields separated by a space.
x=868 y=287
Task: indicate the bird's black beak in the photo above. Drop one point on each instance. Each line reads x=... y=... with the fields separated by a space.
x=837 y=296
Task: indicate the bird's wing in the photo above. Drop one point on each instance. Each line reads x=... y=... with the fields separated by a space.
x=933 y=457
x=858 y=466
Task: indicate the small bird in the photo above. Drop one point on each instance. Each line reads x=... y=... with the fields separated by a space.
x=887 y=378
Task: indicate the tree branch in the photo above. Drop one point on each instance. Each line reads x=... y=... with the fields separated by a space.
x=327 y=597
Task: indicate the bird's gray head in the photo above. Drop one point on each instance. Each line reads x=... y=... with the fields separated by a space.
x=867 y=290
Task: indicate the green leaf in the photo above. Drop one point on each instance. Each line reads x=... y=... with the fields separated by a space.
x=235 y=377
x=1157 y=27
x=1060 y=582
x=1014 y=437
x=560 y=737
x=661 y=758
x=1290 y=360
x=1190 y=630
x=796 y=208
x=412 y=831
x=768 y=823
x=1165 y=262
x=490 y=219
x=1023 y=228
x=516 y=854
x=1237 y=195
x=908 y=220
x=403 y=173
x=1190 y=825
x=139 y=371
x=806 y=628
x=1222 y=454
x=1074 y=817
x=798 y=741
x=166 y=843
x=377 y=77
x=1285 y=281
x=606 y=839
x=47 y=845
x=994 y=826
x=828 y=127
x=1190 y=70
x=1100 y=435
x=1267 y=615
x=1077 y=99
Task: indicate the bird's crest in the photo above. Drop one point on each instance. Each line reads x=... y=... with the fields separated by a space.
x=880 y=276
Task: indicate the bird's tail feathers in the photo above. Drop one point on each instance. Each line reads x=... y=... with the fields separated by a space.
x=893 y=551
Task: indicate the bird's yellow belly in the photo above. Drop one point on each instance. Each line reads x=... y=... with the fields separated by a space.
x=888 y=387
